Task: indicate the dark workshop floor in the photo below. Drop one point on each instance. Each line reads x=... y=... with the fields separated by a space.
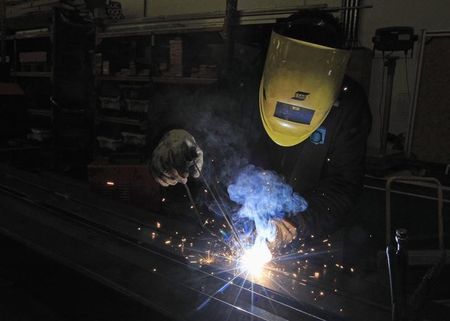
x=33 y=288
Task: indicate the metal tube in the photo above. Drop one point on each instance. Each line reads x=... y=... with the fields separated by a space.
x=407 y=194
x=390 y=64
x=355 y=35
x=3 y=31
x=344 y=14
x=347 y=22
x=351 y=23
x=229 y=22
x=412 y=113
x=390 y=256
x=401 y=238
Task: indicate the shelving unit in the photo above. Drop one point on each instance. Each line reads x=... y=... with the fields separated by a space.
x=30 y=34
x=31 y=74
x=162 y=80
x=40 y=112
x=147 y=38
x=123 y=121
x=205 y=22
x=125 y=55
x=30 y=55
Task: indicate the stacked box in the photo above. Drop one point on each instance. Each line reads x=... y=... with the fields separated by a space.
x=137 y=105
x=33 y=57
x=109 y=143
x=176 y=57
x=204 y=71
x=33 y=61
x=134 y=139
x=110 y=103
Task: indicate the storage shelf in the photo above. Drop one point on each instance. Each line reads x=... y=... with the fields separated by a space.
x=162 y=79
x=32 y=74
x=32 y=34
x=184 y=80
x=125 y=78
x=40 y=112
x=122 y=120
x=212 y=21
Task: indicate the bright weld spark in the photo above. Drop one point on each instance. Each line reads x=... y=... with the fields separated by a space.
x=255 y=259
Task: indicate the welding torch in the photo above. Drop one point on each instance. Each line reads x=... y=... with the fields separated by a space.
x=192 y=167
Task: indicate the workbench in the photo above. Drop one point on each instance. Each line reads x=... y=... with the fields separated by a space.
x=138 y=254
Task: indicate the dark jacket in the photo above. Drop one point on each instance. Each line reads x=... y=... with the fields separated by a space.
x=328 y=173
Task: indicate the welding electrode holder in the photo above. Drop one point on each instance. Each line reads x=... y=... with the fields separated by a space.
x=397 y=259
x=190 y=160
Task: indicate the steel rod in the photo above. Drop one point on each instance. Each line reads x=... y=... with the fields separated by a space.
x=227 y=219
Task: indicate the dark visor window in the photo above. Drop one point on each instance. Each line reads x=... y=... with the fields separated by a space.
x=293 y=113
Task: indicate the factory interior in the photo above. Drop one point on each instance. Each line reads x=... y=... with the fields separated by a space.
x=228 y=160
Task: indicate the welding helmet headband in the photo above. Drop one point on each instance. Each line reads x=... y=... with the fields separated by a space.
x=300 y=83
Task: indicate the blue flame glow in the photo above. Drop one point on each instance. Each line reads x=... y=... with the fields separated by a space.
x=263 y=196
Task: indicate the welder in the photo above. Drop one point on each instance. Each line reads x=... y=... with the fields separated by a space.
x=316 y=121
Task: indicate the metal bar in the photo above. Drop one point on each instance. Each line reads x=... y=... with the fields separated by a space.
x=407 y=194
x=31 y=7
x=437 y=33
x=356 y=25
x=343 y=13
x=204 y=22
x=228 y=24
x=347 y=22
x=390 y=64
x=423 y=184
x=197 y=22
x=412 y=113
x=3 y=31
x=351 y=23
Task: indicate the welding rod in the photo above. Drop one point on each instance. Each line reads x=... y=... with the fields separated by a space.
x=227 y=219
x=197 y=213
x=191 y=199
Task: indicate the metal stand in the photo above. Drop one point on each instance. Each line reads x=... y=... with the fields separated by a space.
x=383 y=160
x=390 y=63
x=406 y=307
x=397 y=259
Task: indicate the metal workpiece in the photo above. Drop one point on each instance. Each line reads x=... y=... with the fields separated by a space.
x=173 y=267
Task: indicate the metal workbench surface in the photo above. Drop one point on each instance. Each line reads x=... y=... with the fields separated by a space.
x=154 y=259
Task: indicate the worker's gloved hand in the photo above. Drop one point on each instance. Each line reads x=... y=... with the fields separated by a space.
x=286 y=232
x=176 y=157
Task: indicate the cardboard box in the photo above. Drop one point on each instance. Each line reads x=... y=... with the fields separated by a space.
x=33 y=56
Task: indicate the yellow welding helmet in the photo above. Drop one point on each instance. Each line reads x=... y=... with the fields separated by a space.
x=300 y=83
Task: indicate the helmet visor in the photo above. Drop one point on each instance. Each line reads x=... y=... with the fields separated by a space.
x=300 y=83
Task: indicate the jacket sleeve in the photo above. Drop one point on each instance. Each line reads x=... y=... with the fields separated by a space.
x=340 y=185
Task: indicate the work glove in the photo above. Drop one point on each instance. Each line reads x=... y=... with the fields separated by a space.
x=176 y=157
x=285 y=231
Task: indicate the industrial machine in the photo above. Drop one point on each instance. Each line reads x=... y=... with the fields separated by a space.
x=391 y=42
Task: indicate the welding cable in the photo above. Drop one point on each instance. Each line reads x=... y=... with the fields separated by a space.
x=228 y=221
